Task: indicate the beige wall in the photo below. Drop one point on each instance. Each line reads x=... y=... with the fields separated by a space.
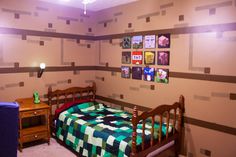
x=205 y=100
x=35 y=15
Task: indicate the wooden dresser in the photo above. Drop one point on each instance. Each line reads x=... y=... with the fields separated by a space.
x=33 y=121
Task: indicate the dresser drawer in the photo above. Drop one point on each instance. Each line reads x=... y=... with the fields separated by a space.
x=33 y=113
x=35 y=136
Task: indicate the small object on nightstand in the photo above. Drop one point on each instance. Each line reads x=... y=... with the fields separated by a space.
x=36 y=98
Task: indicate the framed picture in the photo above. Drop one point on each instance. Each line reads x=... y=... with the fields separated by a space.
x=149 y=57
x=149 y=74
x=162 y=75
x=163 y=58
x=125 y=72
x=137 y=57
x=137 y=42
x=163 y=41
x=137 y=73
x=126 y=42
x=150 y=41
x=126 y=57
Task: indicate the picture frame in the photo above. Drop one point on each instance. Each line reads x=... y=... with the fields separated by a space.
x=126 y=57
x=137 y=73
x=125 y=71
x=149 y=57
x=162 y=75
x=126 y=42
x=149 y=41
x=163 y=40
x=137 y=57
x=148 y=73
x=137 y=42
x=163 y=58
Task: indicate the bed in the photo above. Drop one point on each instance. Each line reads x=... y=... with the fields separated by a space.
x=91 y=128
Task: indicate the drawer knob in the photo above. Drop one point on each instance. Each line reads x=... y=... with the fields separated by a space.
x=35 y=136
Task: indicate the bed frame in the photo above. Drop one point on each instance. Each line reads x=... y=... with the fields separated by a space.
x=172 y=114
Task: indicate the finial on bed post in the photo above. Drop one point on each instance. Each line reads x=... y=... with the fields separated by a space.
x=181 y=101
x=134 y=134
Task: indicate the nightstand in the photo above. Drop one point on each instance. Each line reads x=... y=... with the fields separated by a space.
x=33 y=121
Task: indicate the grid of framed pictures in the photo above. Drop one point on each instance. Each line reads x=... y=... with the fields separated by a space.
x=150 y=50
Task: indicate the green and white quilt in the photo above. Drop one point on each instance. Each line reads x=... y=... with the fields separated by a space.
x=93 y=129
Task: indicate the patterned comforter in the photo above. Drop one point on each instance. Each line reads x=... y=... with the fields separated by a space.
x=93 y=129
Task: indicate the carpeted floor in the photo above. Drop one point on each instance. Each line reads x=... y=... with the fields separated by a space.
x=45 y=150
x=57 y=150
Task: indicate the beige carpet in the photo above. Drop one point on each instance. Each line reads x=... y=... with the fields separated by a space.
x=57 y=150
x=45 y=150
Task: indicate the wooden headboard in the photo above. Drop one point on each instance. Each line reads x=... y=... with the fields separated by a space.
x=57 y=97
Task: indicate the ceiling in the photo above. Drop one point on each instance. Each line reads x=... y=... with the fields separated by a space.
x=95 y=6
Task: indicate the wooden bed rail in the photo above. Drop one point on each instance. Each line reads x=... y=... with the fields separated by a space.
x=162 y=111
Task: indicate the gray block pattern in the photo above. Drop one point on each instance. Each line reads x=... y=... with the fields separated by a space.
x=202 y=98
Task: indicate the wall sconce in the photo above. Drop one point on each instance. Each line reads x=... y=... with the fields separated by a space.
x=41 y=69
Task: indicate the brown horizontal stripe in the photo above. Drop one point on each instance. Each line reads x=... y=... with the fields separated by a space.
x=179 y=30
x=67 y=18
x=188 y=120
x=164 y=6
x=210 y=125
x=4 y=30
x=206 y=77
x=16 y=11
x=222 y=4
x=149 y=15
x=113 y=69
x=195 y=76
x=69 y=68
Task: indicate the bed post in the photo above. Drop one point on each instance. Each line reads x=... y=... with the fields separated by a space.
x=94 y=90
x=134 y=134
x=50 y=114
x=180 y=124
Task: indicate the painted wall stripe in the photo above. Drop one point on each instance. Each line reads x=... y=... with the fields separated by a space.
x=195 y=76
x=217 y=5
x=179 y=30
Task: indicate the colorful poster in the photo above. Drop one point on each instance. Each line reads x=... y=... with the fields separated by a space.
x=137 y=57
x=137 y=73
x=150 y=41
x=163 y=57
x=149 y=57
x=163 y=40
x=149 y=74
x=125 y=72
x=126 y=42
x=126 y=57
x=137 y=42
x=162 y=75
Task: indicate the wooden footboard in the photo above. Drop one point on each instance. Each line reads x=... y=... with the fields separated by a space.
x=170 y=113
